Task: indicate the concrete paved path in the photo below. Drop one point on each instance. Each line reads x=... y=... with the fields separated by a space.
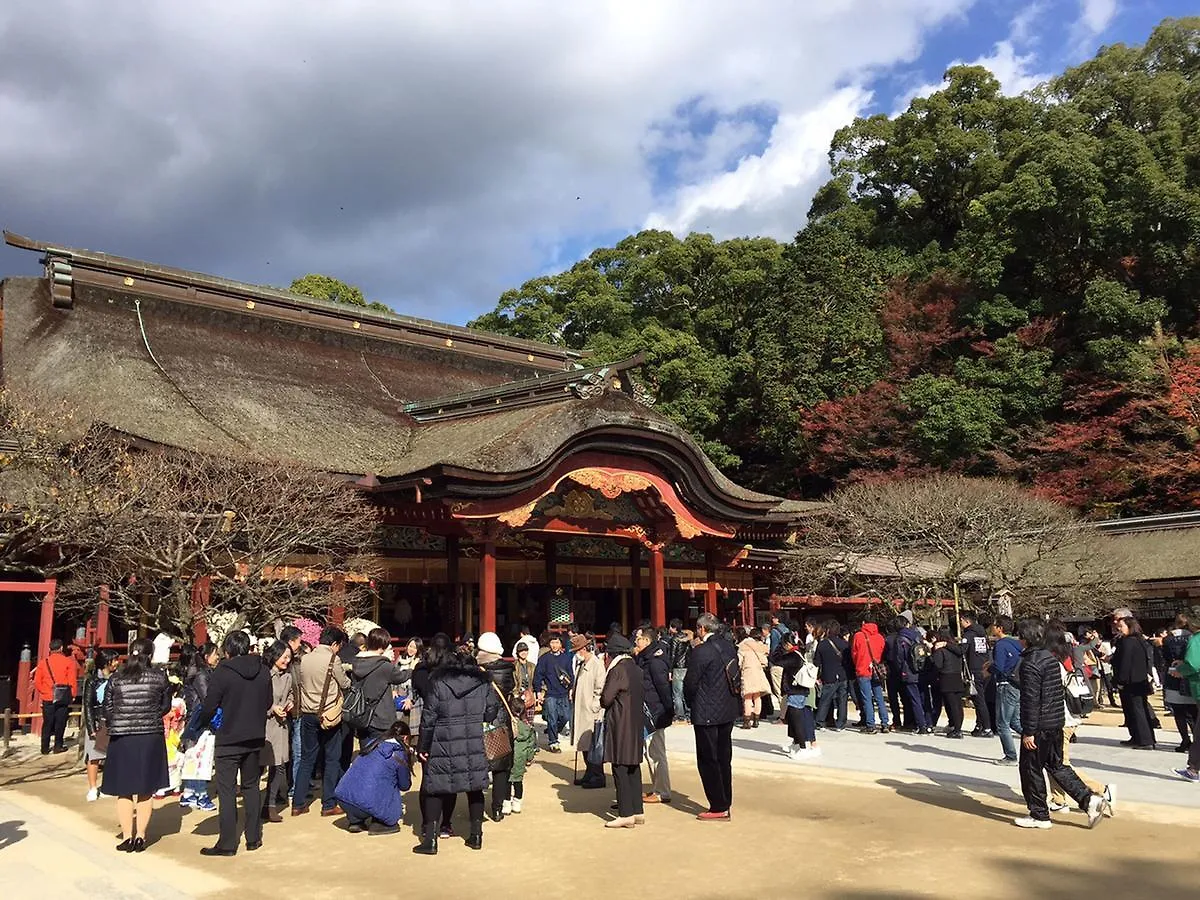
x=1141 y=777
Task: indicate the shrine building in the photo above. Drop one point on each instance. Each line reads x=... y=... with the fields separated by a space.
x=519 y=482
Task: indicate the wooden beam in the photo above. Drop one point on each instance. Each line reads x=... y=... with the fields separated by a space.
x=46 y=625
x=710 y=595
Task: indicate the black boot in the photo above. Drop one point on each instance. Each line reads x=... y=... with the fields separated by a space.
x=475 y=839
x=428 y=845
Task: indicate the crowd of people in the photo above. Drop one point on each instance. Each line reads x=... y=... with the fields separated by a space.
x=361 y=717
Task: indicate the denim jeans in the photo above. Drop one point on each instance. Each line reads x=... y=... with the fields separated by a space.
x=872 y=691
x=556 y=711
x=677 y=676
x=295 y=764
x=314 y=741
x=833 y=697
x=1008 y=717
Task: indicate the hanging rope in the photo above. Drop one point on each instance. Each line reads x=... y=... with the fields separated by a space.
x=137 y=305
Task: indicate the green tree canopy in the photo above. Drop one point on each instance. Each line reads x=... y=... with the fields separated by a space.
x=326 y=287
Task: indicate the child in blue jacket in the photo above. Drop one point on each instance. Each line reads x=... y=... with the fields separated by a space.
x=374 y=785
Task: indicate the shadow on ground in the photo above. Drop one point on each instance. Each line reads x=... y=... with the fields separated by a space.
x=12 y=833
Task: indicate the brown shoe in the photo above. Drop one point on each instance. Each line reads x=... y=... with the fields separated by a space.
x=271 y=814
x=651 y=798
x=335 y=811
x=299 y=810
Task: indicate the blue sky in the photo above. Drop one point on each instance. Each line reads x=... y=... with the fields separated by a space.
x=436 y=154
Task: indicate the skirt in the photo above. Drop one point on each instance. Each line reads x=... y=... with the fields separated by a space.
x=90 y=753
x=136 y=765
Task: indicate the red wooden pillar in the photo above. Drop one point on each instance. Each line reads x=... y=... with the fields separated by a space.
x=487 y=588
x=201 y=594
x=658 y=590
x=710 y=595
x=337 y=607
x=635 y=582
x=102 y=616
x=46 y=625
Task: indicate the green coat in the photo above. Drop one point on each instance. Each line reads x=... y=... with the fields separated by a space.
x=1189 y=666
x=524 y=746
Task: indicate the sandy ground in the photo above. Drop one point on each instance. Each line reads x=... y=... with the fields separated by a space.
x=795 y=832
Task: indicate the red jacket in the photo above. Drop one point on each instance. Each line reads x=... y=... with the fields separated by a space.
x=57 y=668
x=868 y=644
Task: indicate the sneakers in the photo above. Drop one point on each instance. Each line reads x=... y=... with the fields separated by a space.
x=1095 y=810
x=789 y=749
x=1059 y=807
x=808 y=754
x=507 y=807
x=203 y=803
x=793 y=752
x=554 y=748
x=1005 y=761
x=1110 y=798
x=1029 y=822
x=93 y=795
x=711 y=816
x=1188 y=774
x=515 y=805
x=186 y=800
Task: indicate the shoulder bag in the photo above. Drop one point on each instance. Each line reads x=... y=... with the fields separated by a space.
x=330 y=716
x=878 y=669
x=497 y=739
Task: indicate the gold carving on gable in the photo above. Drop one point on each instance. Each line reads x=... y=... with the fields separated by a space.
x=577 y=505
x=611 y=484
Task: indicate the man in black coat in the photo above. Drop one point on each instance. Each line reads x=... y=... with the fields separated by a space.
x=240 y=686
x=653 y=657
x=712 y=690
x=1043 y=716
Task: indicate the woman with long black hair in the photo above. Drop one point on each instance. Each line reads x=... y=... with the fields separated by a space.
x=1131 y=670
x=459 y=700
x=136 y=699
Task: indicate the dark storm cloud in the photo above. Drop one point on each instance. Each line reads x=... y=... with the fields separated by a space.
x=431 y=153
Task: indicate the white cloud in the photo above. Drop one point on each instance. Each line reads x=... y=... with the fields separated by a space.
x=431 y=153
x=1095 y=15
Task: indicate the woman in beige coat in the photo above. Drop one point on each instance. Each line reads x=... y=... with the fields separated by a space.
x=589 y=685
x=752 y=657
x=276 y=751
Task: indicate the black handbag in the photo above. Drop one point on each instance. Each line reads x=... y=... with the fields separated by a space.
x=595 y=753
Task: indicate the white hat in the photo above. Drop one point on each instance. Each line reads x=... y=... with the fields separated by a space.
x=489 y=642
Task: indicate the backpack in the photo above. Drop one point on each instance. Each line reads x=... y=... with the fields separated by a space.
x=357 y=710
x=918 y=657
x=733 y=676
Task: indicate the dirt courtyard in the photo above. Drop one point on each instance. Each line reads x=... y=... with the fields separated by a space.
x=794 y=833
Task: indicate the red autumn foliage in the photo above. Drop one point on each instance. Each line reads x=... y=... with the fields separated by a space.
x=920 y=323
x=1183 y=388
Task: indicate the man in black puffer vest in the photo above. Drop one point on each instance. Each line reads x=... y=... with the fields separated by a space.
x=1043 y=715
x=240 y=686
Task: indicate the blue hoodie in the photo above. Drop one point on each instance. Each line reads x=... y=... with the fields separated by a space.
x=376 y=782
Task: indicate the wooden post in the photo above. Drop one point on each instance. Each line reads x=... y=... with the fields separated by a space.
x=710 y=595
x=658 y=589
x=626 y=600
x=635 y=580
x=7 y=729
x=201 y=593
x=102 y=616
x=337 y=597
x=46 y=625
x=487 y=588
x=452 y=605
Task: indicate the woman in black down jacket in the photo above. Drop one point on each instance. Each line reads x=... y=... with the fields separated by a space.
x=459 y=700
x=1131 y=671
x=623 y=700
x=501 y=671
x=135 y=701
x=947 y=659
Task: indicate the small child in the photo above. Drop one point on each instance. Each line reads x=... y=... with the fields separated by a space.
x=524 y=748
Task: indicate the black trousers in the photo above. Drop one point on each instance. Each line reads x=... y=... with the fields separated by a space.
x=435 y=807
x=1136 y=719
x=226 y=772
x=953 y=701
x=628 y=780
x=800 y=725
x=499 y=788
x=714 y=759
x=983 y=715
x=893 y=688
x=54 y=722
x=1048 y=758
x=277 y=779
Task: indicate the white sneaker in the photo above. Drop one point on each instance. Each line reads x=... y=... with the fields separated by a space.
x=795 y=753
x=1059 y=807
x=515 y=805
x=1095 y=810
x=789 y=749
x=1028 y=822
x=1110 y=798
x=808 y=754
x=93 y=795
x=506 y=807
